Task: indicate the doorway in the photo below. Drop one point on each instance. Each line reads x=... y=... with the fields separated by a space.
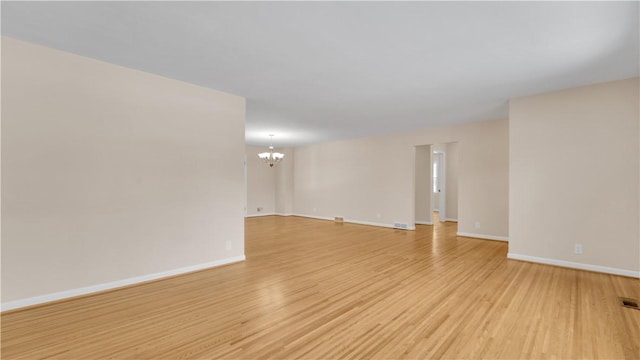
x=436 y=183
x=445 y=181
x=439 y=183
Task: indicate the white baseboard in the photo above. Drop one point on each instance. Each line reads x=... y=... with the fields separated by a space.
x=370 y=223
x=260 y=214
x=452 y=220
x=314 y=217
x=283 y=214
x=482 y=236
x=377 y=224
x=574 y=265
x=359 y=222
x=424 y=222
x=36 y=300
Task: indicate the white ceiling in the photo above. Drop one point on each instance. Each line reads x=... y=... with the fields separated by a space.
x=320 y=71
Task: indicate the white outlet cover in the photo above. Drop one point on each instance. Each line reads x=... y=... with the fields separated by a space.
x=577 y=249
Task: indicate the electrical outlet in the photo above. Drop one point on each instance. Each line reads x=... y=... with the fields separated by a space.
x=477 y=224
x=378 y=215
x=577 y=248
x=315 y=210
x=228 y=245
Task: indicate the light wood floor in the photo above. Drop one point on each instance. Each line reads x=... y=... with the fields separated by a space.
x=315 y=289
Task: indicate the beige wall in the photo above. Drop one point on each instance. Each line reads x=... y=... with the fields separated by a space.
x=451 y=180
x=111 y=174
x=368 y=180
x=423 y=185
x=270 y=188
x=260 y=183
x=284 y=183
x=574 y=176
x=371 y=180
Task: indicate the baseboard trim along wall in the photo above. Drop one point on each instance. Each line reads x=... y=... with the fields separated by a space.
x=424 y=222
x=485 y=237
x=574 y=265
x=260 y=214
x=37 y=300
x=315 y=217
x=359 y=222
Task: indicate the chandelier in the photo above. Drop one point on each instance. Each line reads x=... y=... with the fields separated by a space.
x=271 y=157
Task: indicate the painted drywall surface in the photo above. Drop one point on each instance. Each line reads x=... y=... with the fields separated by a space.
x=574 y=175
x=284 y=183
x=451 y=180
x=423 y=184
x=372 y=179
x=483 y=179
x=356 y=180
x=269 y=188
x=260 y=183
x=110 y=173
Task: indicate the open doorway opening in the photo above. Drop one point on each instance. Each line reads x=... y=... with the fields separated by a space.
x=436 y=183
x=439 y=184
x=444 y=199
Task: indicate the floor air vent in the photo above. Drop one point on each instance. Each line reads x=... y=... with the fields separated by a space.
x=401 y=226
x=630 y=303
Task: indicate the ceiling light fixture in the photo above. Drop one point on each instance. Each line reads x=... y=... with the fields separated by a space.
x=271 y=157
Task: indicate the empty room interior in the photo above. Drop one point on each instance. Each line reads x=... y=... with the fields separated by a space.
x=320 y=180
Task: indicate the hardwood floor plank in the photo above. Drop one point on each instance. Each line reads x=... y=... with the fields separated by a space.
x=316 y=289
